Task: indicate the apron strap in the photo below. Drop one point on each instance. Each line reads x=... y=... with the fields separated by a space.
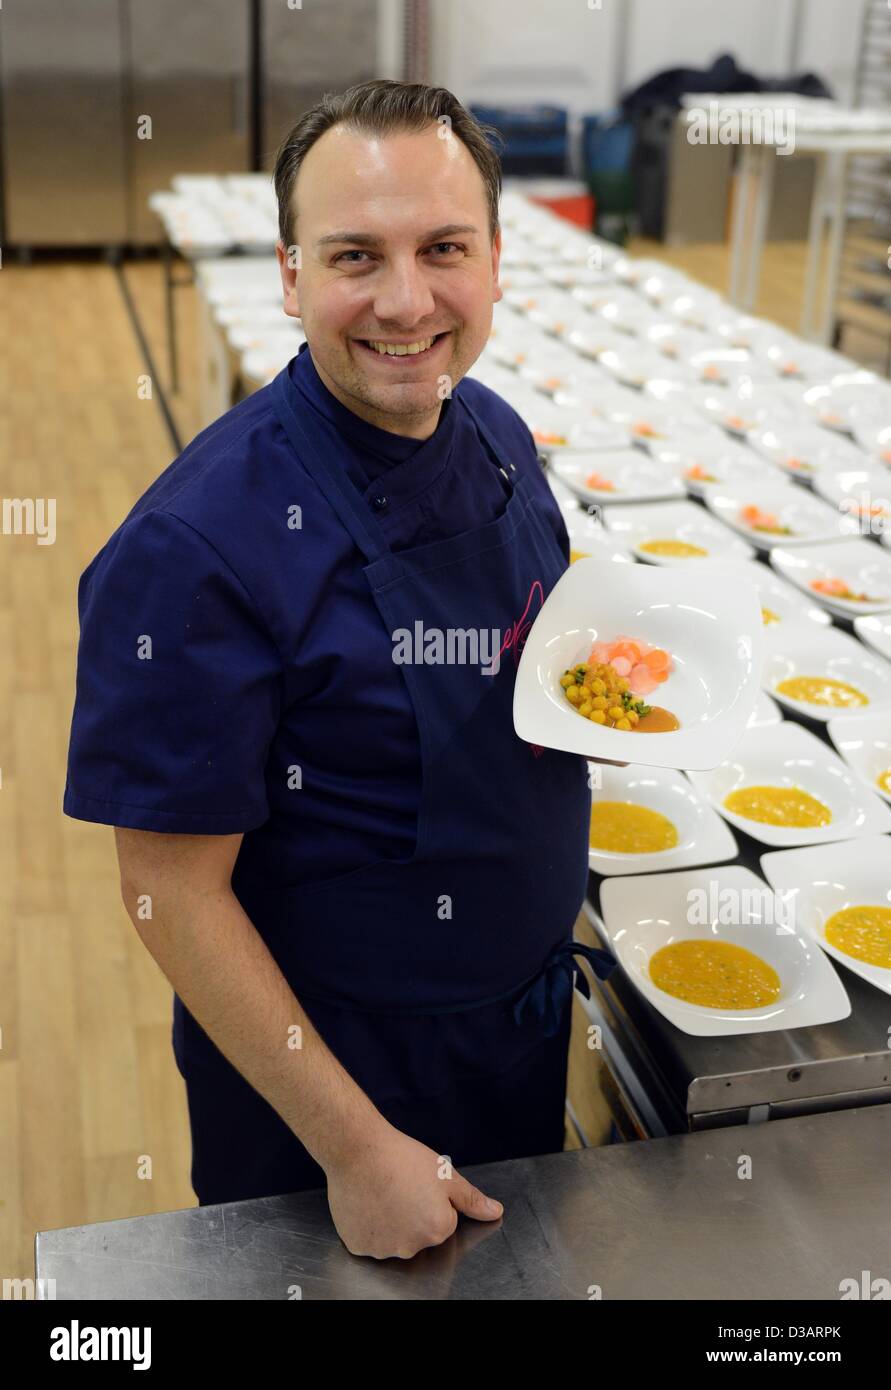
x=333 y=482
x=550 y=992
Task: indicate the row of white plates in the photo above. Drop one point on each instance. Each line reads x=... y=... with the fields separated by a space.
x=828 y=432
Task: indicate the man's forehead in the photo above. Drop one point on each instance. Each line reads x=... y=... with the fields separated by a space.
x=355 y=178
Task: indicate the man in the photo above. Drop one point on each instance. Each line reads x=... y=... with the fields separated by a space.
x=295 y=684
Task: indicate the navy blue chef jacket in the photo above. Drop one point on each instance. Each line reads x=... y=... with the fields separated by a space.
x=414 y=867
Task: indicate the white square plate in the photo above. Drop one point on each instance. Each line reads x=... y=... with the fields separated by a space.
x=554 y=429
x=876 y=632
x=787 y=603
x=711 y=461
x=786 y=755
x=856 y=873
x=864 y=741
x=703 y=837
x=654 y=423
x=713 y=633
x=809 y=518
x=864 y=494
x=588 y=538
x=643 y=914
x=675 y=521
x=766 y=711
x=634 y=476
x=808 y=651
x=803 y=450
x=634 y=363
x=861 y=564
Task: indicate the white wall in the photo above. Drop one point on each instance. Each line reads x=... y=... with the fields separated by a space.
x=691 y=33
x=562 y=51
x=830 y=42
x=524 y=50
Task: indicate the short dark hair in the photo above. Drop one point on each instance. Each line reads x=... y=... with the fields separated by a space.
x=379 y=108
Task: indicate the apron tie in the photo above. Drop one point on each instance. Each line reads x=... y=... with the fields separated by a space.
x=551 y=990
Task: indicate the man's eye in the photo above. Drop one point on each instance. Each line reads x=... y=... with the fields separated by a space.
x=341 y=255
x=448 y=244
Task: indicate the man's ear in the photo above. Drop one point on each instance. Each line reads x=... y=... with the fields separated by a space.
x=498 y=292
x=288 y=269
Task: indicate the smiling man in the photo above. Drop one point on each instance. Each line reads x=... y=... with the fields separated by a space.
x=361 y=884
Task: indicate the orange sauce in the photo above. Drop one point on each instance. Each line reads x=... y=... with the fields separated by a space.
x=658 y=721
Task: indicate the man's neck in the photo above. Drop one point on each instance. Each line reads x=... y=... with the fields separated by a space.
x=418 y=427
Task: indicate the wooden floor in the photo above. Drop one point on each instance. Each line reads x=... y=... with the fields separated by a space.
x=88 y=1085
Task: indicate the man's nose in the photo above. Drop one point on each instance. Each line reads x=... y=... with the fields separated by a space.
x=403 y=294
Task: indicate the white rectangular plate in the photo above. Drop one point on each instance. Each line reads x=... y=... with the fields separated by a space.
x=713 y=633
x=787 y=755
x=641 y=915
x=856 y=873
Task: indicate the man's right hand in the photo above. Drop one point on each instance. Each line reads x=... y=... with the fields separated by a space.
x=394 y=1198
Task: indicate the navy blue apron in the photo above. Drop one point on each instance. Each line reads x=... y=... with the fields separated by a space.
x=442 y=981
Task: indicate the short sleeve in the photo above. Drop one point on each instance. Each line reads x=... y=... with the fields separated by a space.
x=178 y=689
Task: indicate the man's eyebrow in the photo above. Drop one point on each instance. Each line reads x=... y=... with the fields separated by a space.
x=364 y=239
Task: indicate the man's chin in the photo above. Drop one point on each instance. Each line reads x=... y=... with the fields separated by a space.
x=403 y=398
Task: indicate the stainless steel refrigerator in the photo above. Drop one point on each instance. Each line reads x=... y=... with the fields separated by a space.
x=220 y=80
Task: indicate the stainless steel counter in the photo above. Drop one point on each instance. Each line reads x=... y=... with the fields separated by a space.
x=661 y=1218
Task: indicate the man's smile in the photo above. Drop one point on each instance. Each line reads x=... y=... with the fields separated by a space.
x=406 y=350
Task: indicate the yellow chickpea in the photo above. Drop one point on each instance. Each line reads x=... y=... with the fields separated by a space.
x=599 y=702
x=616 y=713
x=567 y=680
x=574 y=694
x=597 y=716
x=585 y=708
x=623 y=684
x=622 y=724
x=633 y=715
x=598 y=686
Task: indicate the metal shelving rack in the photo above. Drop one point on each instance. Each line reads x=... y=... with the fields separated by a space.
x=864 y=299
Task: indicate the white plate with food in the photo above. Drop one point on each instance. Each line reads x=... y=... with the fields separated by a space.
x=832 y=402
x=824 y=673
x=840 y=895
x=673 y=340
x=590 y=335
x=782 y=605
x=587 y=538
x=634 y=364
x=804 y=450
x=848 y=577
x=554 y=429
x=649 y=819
x=694 y=306
x=712 y=950
x=654 y=423
x=749 y=406
x=675 y=534
x=711 y=461
x=864 y=741
x=871 y=424
x=683 y=657
x=783 y=786
x=770 y=514
x=862 y=493
x=621 y=475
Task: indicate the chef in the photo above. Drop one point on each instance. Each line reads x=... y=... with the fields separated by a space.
x=360 y=882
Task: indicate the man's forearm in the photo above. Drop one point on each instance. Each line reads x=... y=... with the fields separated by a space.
x=221 y=968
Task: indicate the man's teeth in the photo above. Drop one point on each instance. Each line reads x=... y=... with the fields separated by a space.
x=402 y=349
